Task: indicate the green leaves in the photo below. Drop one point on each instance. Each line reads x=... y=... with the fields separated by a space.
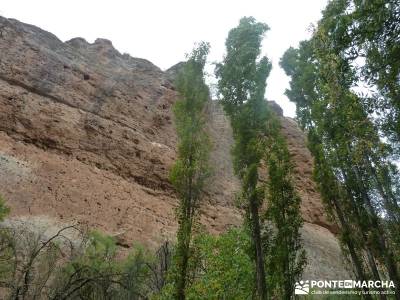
x=227 y=271
x=191 y=169
x=241 y=82
x=98 y=273
x=241 y=75
x=344 y=135
x=285 y=257
x=241 y=85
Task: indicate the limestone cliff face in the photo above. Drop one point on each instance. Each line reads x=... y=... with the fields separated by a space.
x=87 y=134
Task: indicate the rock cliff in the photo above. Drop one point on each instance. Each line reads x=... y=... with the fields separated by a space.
x=87 y=135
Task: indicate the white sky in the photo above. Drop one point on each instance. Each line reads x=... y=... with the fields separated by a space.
x=163 y=31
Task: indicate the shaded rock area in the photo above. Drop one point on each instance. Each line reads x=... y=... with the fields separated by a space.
x=87 y=135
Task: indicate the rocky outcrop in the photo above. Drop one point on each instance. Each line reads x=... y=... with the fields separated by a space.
x=87 y=134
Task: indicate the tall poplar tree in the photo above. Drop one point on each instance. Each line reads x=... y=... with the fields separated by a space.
x=285 y=255
x=241 y=83
x=353 y=168
x=191 y=169
x=369 y=30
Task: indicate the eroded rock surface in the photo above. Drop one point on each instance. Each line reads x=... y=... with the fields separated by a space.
x=87 y=134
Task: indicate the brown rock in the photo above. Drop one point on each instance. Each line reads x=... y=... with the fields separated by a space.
x=276 y=108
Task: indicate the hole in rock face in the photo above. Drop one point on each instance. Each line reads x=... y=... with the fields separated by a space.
x=86 y=77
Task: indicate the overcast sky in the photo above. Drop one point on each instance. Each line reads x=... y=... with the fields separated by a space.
x=163 y=31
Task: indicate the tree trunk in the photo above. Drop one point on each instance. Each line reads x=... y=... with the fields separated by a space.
x=385 y=251
x=256 y=232
x=353 y=254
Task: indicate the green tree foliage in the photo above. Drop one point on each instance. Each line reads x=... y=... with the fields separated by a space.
x=285 y=255
x=220 y=268
x=375 y=36
x=367 y=34
x=241 y=83
x=356 y=176
x=71 y=265
x=98 y=274
x=225 y=270
x=191 y=169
